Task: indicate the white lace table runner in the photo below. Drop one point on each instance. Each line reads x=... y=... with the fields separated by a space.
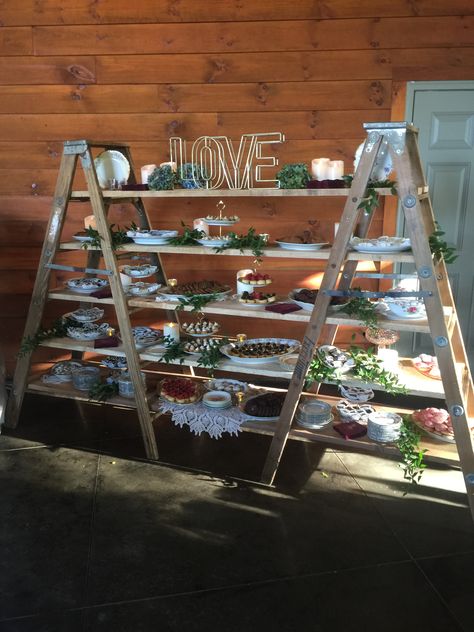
x=200 y=418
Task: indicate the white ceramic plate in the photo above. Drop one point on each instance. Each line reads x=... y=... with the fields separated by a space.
x=83 y=238
x=306 y=306
x=90 y=331
x=383 y=165
x=435 y=435
x=166 y=294
x=212 y=243
x=220 y=384
x=151 y=237
x=380 y=245
x=285 y=245
x=81 y=285
x=86 y=315
x=294 y=345
x=142 y=289
x=111 y=165
x=138 y=272
x=220 y=222
x=391 y=316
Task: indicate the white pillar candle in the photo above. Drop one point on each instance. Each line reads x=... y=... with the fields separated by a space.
x=335 y=170
x=171 y=330
x=336 y=228
x=244 y=287
x=173 y=165
x=319 y=168
x=146 y=172
x=389 y=358
x=89 y=222
x=201 y=224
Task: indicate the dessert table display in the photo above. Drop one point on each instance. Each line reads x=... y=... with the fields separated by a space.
x=206 y=343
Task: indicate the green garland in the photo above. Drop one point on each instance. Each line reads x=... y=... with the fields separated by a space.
x=210 y=358
x=57 y=330
x=372 y=199
x=361 y=309
x=251 y=241
x=412 y=456
x=439 y=247
x=174 y=351
x=368 y=368
x=101 y=391
x=195 y=301
x=188 y=238
x=118 y=237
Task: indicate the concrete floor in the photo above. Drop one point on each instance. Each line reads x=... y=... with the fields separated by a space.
x=93 y=539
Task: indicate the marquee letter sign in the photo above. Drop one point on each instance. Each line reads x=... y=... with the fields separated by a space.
x=219 y=164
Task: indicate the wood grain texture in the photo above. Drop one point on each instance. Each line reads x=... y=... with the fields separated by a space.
x=144 y=71
x=149 y=11
x=239 y=37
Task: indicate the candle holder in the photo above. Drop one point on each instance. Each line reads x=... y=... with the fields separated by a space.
x=241 y=337
x=172 y=282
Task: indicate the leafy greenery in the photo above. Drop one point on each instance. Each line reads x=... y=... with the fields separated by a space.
x=196 y=302
x=163 y=179
x=188 y=238
x=372 y=199
x=101 y=391
x=362 y=309
x=174 y=351
x=251 y=241
x=412 y=456
x=368 y=368
x=57 y=330
x=192 y=176
x=439 y=247
x=293 y=176
x=118 y=237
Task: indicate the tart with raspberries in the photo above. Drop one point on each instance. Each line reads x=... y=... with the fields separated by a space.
x=255 y=278
x=257 y=298
x=180 y=390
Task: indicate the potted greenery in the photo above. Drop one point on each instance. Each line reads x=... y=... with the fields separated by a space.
x=293 y=176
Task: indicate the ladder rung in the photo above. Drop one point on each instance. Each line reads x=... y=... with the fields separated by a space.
x=57 y=266
x=366 y=294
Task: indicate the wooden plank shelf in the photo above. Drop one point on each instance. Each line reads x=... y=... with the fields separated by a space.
x=437 y=451
x=234 y=308
x=224 y=193
x=415 y=382
x=271 y=251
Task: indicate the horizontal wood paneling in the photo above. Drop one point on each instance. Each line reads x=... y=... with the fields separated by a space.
x=237 y=97
x=148 y=11
x=241 y=37
x=140 y=72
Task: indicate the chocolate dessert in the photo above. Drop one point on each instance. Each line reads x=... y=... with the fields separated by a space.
x=266 y=405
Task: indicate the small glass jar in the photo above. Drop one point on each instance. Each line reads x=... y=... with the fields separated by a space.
x=84 y=377
x=125 y=384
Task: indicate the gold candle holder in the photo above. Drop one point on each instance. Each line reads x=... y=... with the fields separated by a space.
x=240 y=396
x=110 y=331
x=172 y=282
x=241 y=337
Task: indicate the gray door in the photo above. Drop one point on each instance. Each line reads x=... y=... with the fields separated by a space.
x=444 y=114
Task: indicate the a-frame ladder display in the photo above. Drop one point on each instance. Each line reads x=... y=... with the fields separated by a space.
x=401 y=141
x=72 y=151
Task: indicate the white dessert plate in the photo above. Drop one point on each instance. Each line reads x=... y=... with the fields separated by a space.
x=306 y=306
x=86 y=315
x=84 y=285
x=111 y=165
x=293 y=345
x=151 y=237
x=220 y=222
x=83 y=238
x=380 y=245
x=140 y=271
x=166 y=294
x=286 y=245
x=227 y=385
x=212 y=243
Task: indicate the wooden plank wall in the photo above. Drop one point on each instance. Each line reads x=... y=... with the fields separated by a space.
x=141 y=71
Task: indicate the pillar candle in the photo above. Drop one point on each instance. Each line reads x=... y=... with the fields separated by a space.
x=146 y=172
x=335 y=170
x=319 y=168
x=389 y=358
x=89 y=222
x=171 y=330
x=201 y=224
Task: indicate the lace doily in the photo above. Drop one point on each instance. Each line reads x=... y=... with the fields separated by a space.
x=201 y=419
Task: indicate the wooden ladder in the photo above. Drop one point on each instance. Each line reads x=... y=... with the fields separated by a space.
x=401 y=140
x=73 y=150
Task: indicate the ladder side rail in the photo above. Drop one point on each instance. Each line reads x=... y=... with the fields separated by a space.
x=336 y=259
x=39 y=295
x=434 y=309
x=121 y=307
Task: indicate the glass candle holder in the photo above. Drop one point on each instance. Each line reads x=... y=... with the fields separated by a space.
x=125 y=384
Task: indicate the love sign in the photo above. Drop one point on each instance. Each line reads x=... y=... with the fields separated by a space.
x=219 y=164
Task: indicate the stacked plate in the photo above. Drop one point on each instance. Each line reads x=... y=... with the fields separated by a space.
x=151 y=237
x=384 y=427
x=314 y=414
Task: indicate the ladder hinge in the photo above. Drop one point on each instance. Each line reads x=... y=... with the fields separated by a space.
x=393 y=133
x=75 y=146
